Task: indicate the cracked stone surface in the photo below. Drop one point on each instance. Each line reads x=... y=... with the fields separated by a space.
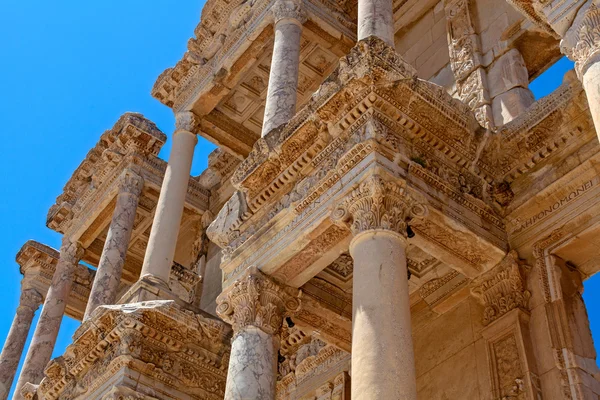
x=252 y=366
x=17 y=336
x=110 y=268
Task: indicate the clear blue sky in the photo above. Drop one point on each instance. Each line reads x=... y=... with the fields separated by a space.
x=69 y=69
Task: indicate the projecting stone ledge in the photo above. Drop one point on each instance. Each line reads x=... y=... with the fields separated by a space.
x=128 y=348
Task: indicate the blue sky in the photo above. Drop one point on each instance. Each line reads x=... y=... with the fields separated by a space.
x=69 y=69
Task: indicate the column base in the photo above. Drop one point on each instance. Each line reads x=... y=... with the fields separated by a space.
x=150 y=288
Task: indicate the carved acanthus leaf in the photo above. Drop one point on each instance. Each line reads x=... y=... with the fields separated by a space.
x=502 y=289
x=378 y=204
x=256 y=300
x=582 y=42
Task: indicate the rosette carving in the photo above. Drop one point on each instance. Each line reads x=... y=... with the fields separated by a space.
x=378 y=204
x=256 y=300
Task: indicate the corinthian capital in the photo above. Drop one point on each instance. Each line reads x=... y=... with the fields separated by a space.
x=288 y=9
x=255 y=300
x=378 y=204
x=70 y=251
x=131 y=183
x=30 y=300
x=186 y=121
x=582 y=41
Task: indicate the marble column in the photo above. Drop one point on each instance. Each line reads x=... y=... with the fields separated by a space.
x=46 y=331
x=382 y=349
x=169 y=210
x=280 y=104
x=255 y=306
x=376 y=18
x=17 y=336
x=108 y=275
x=581 y=46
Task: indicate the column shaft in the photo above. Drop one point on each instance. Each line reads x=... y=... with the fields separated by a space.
x=280 y=104
x=252 y=370
x=376 y=18
x=46 y=331
x=112 y=260
x=17 y=336
x=382 y=349
x=169 y=210
x=255 y=306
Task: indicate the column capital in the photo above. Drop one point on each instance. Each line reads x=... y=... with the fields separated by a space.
x=186 y=121
x=131 y=183
x=256 y=300
x=582 y=41
x=377 y=204
x=71 y=251
x=288 y=10
x=30 y=299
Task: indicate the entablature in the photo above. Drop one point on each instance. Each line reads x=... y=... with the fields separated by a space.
x=373 y=114
x=37 y=264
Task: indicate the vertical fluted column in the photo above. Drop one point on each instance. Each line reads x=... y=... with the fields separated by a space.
x=376 y=18
x=382 y=349
x=112 y=260
x=17 y=336
x=46 y=331
x=169 y=210
x=255 y=306
x=280 y=105
x=582 y=46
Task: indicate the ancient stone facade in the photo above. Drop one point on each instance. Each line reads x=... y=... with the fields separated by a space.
x=390 y=214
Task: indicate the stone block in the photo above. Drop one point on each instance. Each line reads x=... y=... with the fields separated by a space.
x=511 y=104
x=508 y=72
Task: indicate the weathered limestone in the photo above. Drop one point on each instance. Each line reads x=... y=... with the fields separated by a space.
x=509 y=87
x=280 y=104
x=582 y=46
x=108 y=274
x=256 y=307
x=46 y=331
x=376 y=18
x=29 y=302
x=165 y=228
x=383 y=365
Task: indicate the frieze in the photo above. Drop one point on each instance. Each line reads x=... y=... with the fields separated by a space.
x=184 y=353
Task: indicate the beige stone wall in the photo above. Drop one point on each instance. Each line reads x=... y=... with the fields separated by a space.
x=424 y=43
x=212 y=280
x=446 y=354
